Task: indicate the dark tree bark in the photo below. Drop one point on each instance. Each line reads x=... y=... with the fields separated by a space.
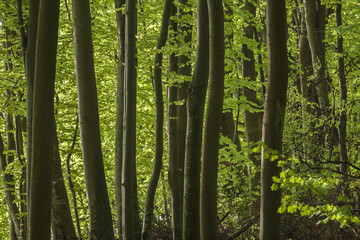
x=29 y=70
x=273 y=121
x=120 y=22
x=130 y=213
x=209 y=168
x=343 y=92
x=195 y=115
x=100 y=213
x=184 y=70
x=159 y=141
x=43 y=120
x=253 y=120
x=62 y=226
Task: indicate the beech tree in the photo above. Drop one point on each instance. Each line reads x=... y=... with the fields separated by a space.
x=209 y=167
x=130 y=215
x=159 y=101
x=273 y=121
x=43 y=120
x=195 y=114
x=120 y=24
x=310 y=151
x=100 y=214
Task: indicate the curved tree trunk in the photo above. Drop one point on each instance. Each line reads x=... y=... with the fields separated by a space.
x=208 y=197
x=273 y=121
x=159 y=141
x=43 y=121
x=195 y=115
x=100 y=213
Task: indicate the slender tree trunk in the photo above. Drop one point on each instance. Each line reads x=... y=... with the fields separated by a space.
x=120 y=22
x=195 y=115
x=8 y=180
x=130 y=213
x=343 y=92
x=184 y=70
x=43 y=120
x=315 y=22
x=273 y=121
x=69 y=178
x=159 y=141
x=208 y=197
x=253 y=120
x=9 y=157
x=62 y=226
x=22 y=185
x=100 y=213
x=306 y=68
x=29 y=70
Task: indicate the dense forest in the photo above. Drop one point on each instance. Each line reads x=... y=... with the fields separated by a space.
x=180 y=119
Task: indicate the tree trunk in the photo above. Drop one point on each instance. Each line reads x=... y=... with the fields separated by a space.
x=306 y=69
x=315 y=22
x=100 y=213
x=8 y=182
x=129 y=197
x=29 y=73
x=208 y=196
x=195 y=115
x=43 y=120
x=62 y=226
x=8 y=157
x=184 y=70
x=159 y=141
x=69 y=178
x=273 y=121
x=120 y=22
x=343 y=93
x=253 y=120
x=22 y=186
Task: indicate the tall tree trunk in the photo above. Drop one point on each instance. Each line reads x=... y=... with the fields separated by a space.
x=130 y=213
x=9 y=156
x=120 y=22
x=159 y=141
x=62 y=226
x=343 y=92
x=208 y=196
x=100 y=213
x=29 y=70
x=253 y=120
x=43 y=120
x=195 y=115
x=315 y=22
x=184 y=70
x=273 y=121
